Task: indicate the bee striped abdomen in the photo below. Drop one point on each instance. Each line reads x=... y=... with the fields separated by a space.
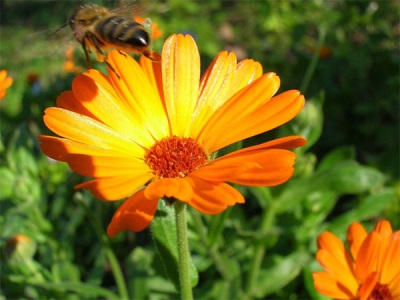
x=122 y=31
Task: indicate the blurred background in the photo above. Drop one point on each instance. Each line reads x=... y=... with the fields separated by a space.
x=342 y=55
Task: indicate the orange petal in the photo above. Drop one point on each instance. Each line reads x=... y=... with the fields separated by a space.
x=265 y=168
x=177 y=188
x=115 y=188
x=212 y=198
x=394 y=285
x=59 y=148
x=336 y=258
x=68 y=101
x=154 y=74
x=107 y=166
x=238 y=107
x=222 y=79
x=246 y=72
x=368 y=256
x=251 y=111
x=327 y=285
x=368 y=286
x=88 y=131
x=181 y=75
x=135 y=214
x=355 y=237
x=215 y=88
x=255 y=166
x=391 y=260
x=142 y=102
x=332 y=264
x=384 y=228
x=108 y=108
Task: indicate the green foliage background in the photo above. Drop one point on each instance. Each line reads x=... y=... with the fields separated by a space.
x=264 y=249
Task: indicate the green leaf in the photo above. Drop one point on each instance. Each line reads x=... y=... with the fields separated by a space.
x=163 y=228
x=369 y=207
x=353 y=178
x=138 y=267
x=336 y=156
x=281 y=271
x=7 y=183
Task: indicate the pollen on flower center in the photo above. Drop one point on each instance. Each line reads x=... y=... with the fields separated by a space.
x=175 y=157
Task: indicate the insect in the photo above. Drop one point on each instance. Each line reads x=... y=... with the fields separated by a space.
x=99 y=28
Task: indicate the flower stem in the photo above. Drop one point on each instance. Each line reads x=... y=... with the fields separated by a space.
x=112 y=259
x=314 y=61
x=183 y=251
x=259 y=249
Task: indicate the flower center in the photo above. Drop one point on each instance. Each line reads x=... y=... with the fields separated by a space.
x=380 y=292
x=175 y=157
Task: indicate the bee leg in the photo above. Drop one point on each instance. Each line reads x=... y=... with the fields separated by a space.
x=85 y=49
x=100 y=55
x=122 y=52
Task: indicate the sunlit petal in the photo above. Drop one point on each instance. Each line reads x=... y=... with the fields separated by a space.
x=355 y=237
x=181 y=81
x=212 y=198
x=328 y=285
x=117 y=187
x=134 y=214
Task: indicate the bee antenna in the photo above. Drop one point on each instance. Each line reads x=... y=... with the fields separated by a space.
x=63 y=26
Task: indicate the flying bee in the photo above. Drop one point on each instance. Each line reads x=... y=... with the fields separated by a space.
x=99 y=28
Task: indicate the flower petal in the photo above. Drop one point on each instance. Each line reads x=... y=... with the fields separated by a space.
x=355 y=237
x=249 y=112
x=384 y=228
x=389 y=269
x=212 y=198
x=326 y=284
x=368 y=257
x=254 y=166
x=76 y=127
x=367 y=286
x=334 y=258
x=142 y=102
x=215 y=89
x=68 y=101
x=117 y=187
x=181 y=75
x=153 y=72
x=108 y=108
x=169 y=187
x=394 y=284
x=333 y=265
x=59 y=148
x=134 y=214
x=222 y=79
x=107 y=166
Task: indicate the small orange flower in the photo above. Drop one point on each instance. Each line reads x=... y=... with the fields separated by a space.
x=370 y=270
x=158 y=125
x=5 y=83
x=69 y=64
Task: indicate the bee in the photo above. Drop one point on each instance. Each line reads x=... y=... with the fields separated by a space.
x=96 y=27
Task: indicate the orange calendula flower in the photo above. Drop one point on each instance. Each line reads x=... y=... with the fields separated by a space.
x=158 y=125
x=369 y=270
x=5 y=83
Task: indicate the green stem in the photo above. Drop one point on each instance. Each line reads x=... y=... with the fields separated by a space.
x=112 y=259
x=259 y=249
x=213 y=251
x=183 y=251
x=314 y=61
